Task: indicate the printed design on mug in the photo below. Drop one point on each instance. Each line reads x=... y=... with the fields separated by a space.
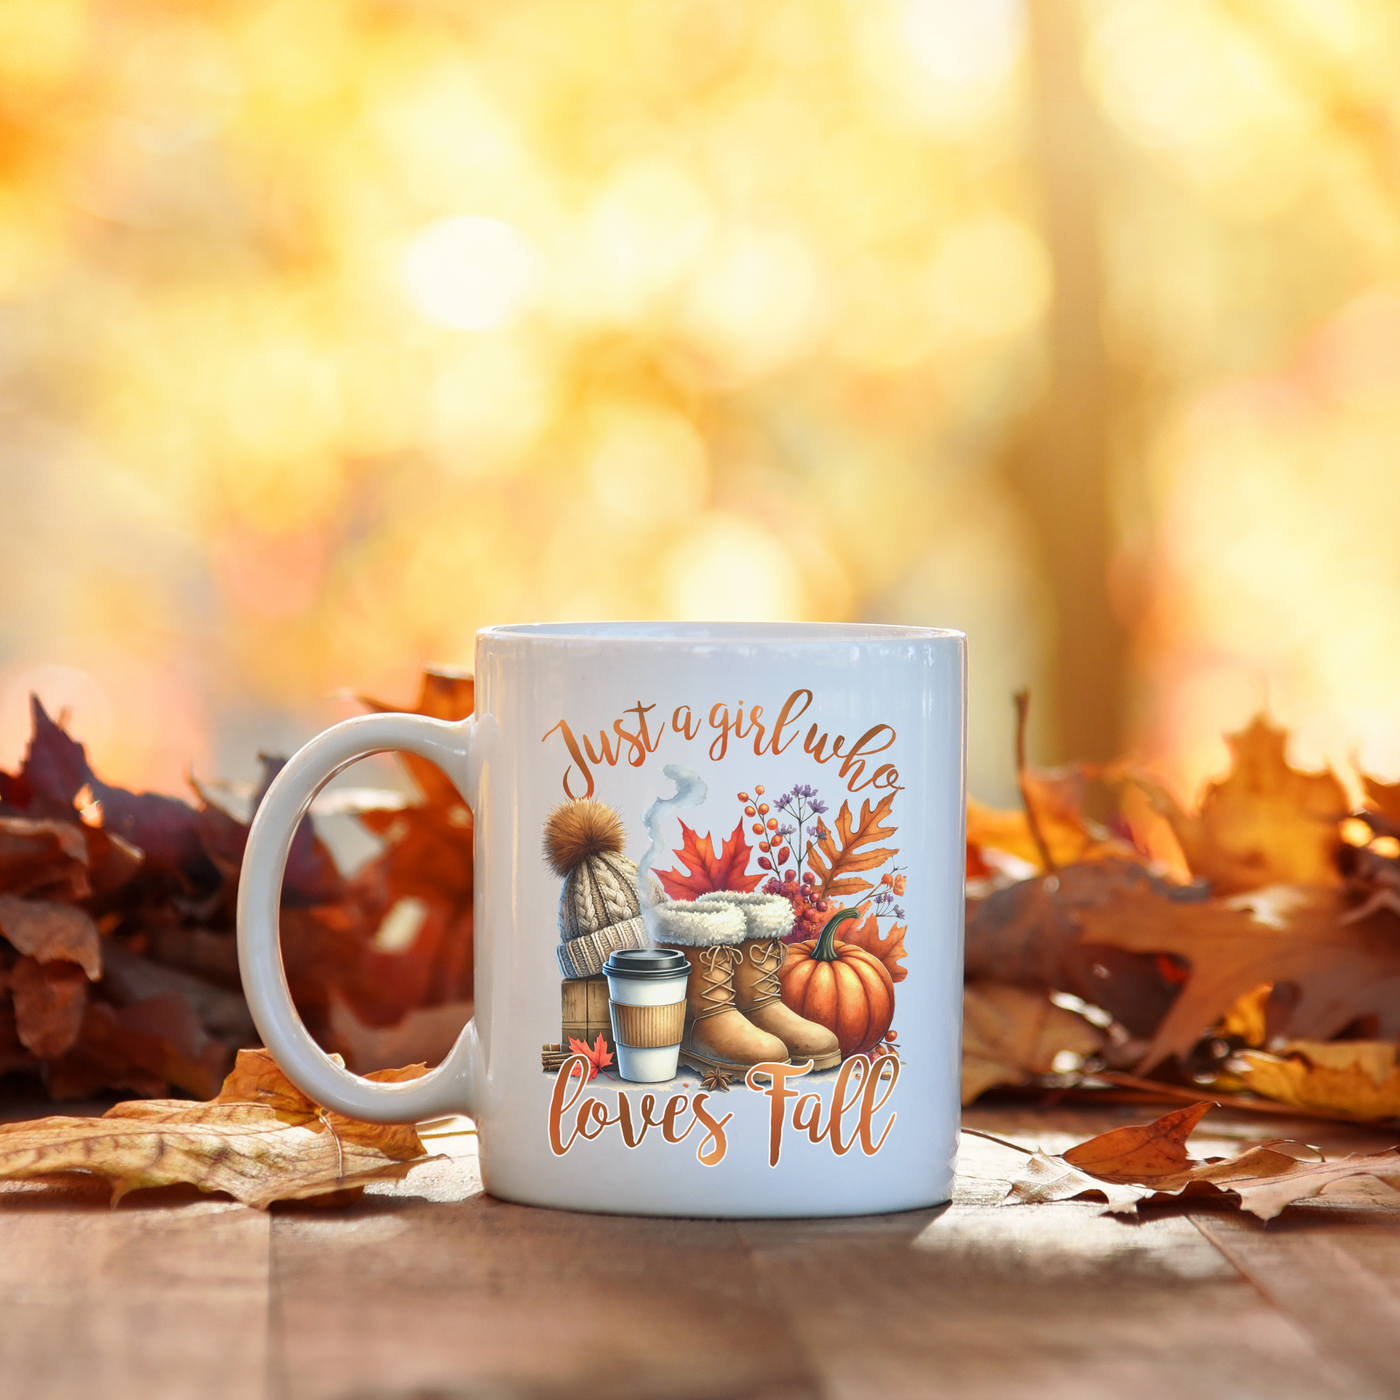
x=760 y=954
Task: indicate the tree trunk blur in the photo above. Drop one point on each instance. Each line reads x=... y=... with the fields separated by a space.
x=1062 y=470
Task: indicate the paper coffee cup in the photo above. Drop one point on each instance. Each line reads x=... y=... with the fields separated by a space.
x=646 y=1000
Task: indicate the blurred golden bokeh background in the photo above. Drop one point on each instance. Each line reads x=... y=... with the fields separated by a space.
x=332 y=330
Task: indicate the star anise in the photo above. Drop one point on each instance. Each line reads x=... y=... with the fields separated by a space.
x=716 y=1079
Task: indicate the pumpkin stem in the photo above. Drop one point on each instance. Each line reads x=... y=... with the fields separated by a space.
x=825 y=951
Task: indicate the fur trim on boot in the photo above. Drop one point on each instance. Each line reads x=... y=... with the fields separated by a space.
x=765 y=915
x=693 y=924
x=757 y=992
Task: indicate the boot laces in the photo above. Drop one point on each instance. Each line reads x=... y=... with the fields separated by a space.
x=719 y=963
x=766 y=958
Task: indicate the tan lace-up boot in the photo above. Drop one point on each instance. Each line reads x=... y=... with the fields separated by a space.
x=717 y=1035
x=757 y=991
x=758 y=994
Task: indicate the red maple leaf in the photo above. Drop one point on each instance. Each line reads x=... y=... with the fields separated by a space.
x=708 y=871
x=599 y=1057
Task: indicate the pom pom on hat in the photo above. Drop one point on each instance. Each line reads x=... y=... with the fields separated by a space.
x=574 y=831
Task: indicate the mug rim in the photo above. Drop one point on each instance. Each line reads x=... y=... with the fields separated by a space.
x=651 y=633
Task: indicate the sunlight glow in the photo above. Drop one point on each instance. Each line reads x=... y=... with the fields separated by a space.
x=730 y=569
x=964 y=43
x=472 y=273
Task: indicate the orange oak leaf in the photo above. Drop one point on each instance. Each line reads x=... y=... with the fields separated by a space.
x=598 y=1055
x=1265 y=823
x=707 y=871
x=1344 y=1078
x=889 y=948
x=836 y=857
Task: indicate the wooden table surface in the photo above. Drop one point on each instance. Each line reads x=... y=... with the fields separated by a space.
x=431 y=1290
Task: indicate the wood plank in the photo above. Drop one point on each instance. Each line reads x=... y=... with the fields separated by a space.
x=1003 y=1302
x=1333 y=1269
x=427 y=1286
x=1039 y=1302
x=151 y=1301
x=479 y=1296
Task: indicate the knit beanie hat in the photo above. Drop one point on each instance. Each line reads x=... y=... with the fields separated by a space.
x=599 y=910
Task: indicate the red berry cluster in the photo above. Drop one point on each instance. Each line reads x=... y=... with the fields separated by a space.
x=811 y=910
x=765 y=828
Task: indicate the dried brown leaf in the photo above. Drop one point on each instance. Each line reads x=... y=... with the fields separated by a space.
x=46 y=931
x=43 y=858
x=256 y=1078
x=1266 y=1180
x=1013 y=1033
x=248 y=1148
x=1045 y=1179
x=1143 y=1154
x=1341 y=971
x=1029 y=934
x=50 y=999
x=142 y=1047
x=112 y=861
x=1128 y=1165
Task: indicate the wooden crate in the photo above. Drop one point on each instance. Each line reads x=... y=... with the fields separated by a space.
x=584 y=1012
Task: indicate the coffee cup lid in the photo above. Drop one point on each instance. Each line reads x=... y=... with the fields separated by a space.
x=645 y=964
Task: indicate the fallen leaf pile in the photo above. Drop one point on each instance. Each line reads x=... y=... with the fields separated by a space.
x=260 y=1140
x=1149 y=1162
x=118 y=962
x=1250 y=946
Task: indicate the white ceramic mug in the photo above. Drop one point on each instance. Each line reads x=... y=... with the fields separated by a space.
x=816 y=1078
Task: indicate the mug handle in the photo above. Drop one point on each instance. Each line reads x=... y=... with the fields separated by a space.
x=450 y=1087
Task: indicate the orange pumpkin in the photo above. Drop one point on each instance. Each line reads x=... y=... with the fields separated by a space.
x=840 y=986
